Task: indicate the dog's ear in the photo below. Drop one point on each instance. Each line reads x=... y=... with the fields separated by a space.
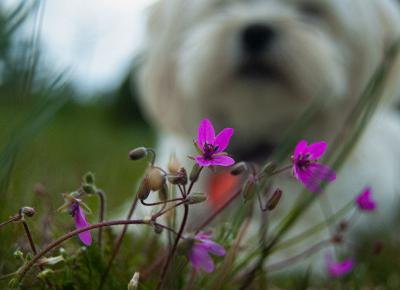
x=155 y=19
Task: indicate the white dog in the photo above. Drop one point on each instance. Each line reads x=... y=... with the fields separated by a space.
x=256 y=65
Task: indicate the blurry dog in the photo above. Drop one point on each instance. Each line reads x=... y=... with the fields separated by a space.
x=256 y=65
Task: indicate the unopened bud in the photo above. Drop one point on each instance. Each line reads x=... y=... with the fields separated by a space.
x=248 y=190
x=378 y=248
x=269 y=168
x=156 y=178
x=195 y=173
x=196 y=197
x=51 y=261
x=18 y=254
x=239 y=168
x=28 y=211
x=173 y=164
x=134 y=283
x=144 y=189
x=163 y=192
x=45 y=274
x=337 y=239
x=158 y=229
x=88 y=188
x=274 y=200
x=89 y=178
x=343 y=225
x=137 y=153
x=179 y=178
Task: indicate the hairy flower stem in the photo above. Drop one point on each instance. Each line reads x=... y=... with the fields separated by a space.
x=33 y=248
x=23 y=270
x=118 y=244
x=12 y=219
x=300 y=257
x=174 y=247
x=218 y=211
x=102 y=200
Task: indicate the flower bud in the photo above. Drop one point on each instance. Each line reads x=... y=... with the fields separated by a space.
x=156 y=178
x=134 y=283
x=274 y=200
x=137 y=153
x=89 y=178
x=239 y=168
x=269 y=168
x=51 y=261
x=196 y=197
x=163 y=192
x=88 y=188
x=195 y=173
x=144 y=189
x=158 y=229
x=179 y=178
x=248 y=189
x=18 y=254
x=28 y=211
x=45 y=274
x=174 y=165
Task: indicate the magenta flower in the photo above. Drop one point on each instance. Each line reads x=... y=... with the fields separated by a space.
x=338 y=269
x=199 y=254
x=364 y=200
x=211 y=147
x=306 y=167
x=80 y=222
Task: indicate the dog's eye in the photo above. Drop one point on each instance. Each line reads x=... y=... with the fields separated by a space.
x=311 y=9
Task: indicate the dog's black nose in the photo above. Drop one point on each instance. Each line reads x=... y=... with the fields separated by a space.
x=257 y=37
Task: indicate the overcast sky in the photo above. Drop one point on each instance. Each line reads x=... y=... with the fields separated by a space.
x=94 y=39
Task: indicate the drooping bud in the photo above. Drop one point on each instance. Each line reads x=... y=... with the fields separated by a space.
x=163 y=192
x=144 y=189
x=89 y=178
x=239 y=168
x=274 y=200
x=138 y=153
x=28 y=211
x=195 y=173
x=134 y=283
x=158 y=229
x=249 y=189
x=88 y=188
x=156 y=178
x=173 y=164
x=196 y=197
x=269 y=168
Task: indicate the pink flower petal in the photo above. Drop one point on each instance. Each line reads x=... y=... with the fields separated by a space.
x=313 y=175
x=316 y=150
x=300 y=148
x=80 y=222
x=214 y=248
x=338 y=269
x=222 y=139
x=206 y=133
x=222 y=161
x=203 y=162
x=364 y=200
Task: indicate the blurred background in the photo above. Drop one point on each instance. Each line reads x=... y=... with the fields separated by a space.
x=66 y=104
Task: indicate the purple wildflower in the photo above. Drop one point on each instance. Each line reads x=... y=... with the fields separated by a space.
x=199 y=254
x=306 y=168
x=211 y=147
x=80 y=222
x=364 y=200
x=338 y=269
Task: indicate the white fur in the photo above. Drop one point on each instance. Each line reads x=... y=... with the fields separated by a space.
x=189 y=73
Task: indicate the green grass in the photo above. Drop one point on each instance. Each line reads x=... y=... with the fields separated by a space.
x=77 y=140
